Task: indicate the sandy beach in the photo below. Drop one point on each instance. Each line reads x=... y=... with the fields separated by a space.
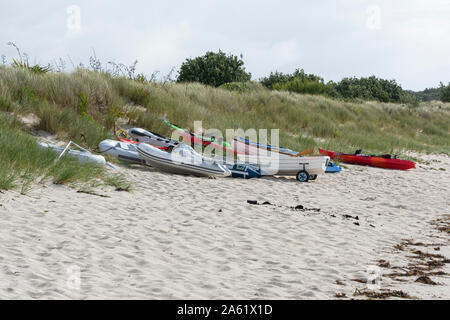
x=183 y=237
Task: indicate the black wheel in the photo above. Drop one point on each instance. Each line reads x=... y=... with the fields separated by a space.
x=302 y=176
x=313 y=177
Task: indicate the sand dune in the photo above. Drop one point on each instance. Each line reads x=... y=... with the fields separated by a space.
x=180 y=237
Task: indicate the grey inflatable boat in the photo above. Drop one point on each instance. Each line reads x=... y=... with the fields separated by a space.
x=181 y=160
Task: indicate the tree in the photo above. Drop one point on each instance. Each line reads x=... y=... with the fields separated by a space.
x=445 y=92
x=214 y=69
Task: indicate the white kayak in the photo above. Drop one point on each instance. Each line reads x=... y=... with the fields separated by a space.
x=120 y=150
x=304 y=168
x=82 y=154
x=181 y=160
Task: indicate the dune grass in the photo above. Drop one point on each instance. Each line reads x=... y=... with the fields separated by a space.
x=304 y=121
x=24 y=163
x=83 y=106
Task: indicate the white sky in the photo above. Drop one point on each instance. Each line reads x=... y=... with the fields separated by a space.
x=404 y=40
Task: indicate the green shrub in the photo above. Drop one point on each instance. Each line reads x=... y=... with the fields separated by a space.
x=278 y=78
x=445 y=92
x=371 y=88
x=214 y=69
x=298 y=82
x=275 y=78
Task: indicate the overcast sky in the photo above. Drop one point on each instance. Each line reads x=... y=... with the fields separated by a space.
x=406 y=40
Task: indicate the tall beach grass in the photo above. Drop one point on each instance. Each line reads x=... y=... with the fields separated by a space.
x=83 y=106
x=24 y=163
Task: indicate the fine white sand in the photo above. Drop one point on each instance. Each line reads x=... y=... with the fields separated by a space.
x=181 y=237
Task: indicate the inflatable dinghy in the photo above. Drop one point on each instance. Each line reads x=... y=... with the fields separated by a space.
x=181 y=160
x=82 y=154
x=121 y=150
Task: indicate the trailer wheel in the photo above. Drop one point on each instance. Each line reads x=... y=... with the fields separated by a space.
x=313 y=177
x=302 y=176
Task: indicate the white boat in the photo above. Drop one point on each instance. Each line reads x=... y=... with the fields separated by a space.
x=304 y=168
x=121 y=150
x=244 y=146
x=81 y=154
x=141 y=135
x=181 y=160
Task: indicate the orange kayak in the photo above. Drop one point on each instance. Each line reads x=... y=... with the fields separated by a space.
x=367 y=160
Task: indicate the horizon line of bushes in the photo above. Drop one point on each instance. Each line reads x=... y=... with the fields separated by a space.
x=228 y=71
x=365 y=88
x=219 y=69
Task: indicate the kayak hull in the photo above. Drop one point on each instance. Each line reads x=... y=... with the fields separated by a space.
x=373 y=161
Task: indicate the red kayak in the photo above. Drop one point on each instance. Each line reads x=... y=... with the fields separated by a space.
x=127 y=141
x=384 y=161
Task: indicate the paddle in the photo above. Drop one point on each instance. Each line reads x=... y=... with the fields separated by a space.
x=304 y=153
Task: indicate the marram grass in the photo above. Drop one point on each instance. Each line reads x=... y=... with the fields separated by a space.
x=24 y=163
x=83 y=106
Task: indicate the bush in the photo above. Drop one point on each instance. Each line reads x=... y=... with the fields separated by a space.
x=428 y=94
x=445 y=92
x=214 y=69
x=371 y=88
x=279 y=79
x=275 y=78
x=298 y=82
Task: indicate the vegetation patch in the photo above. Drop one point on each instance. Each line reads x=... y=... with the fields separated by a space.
x=382 y=294
x=25 y=163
